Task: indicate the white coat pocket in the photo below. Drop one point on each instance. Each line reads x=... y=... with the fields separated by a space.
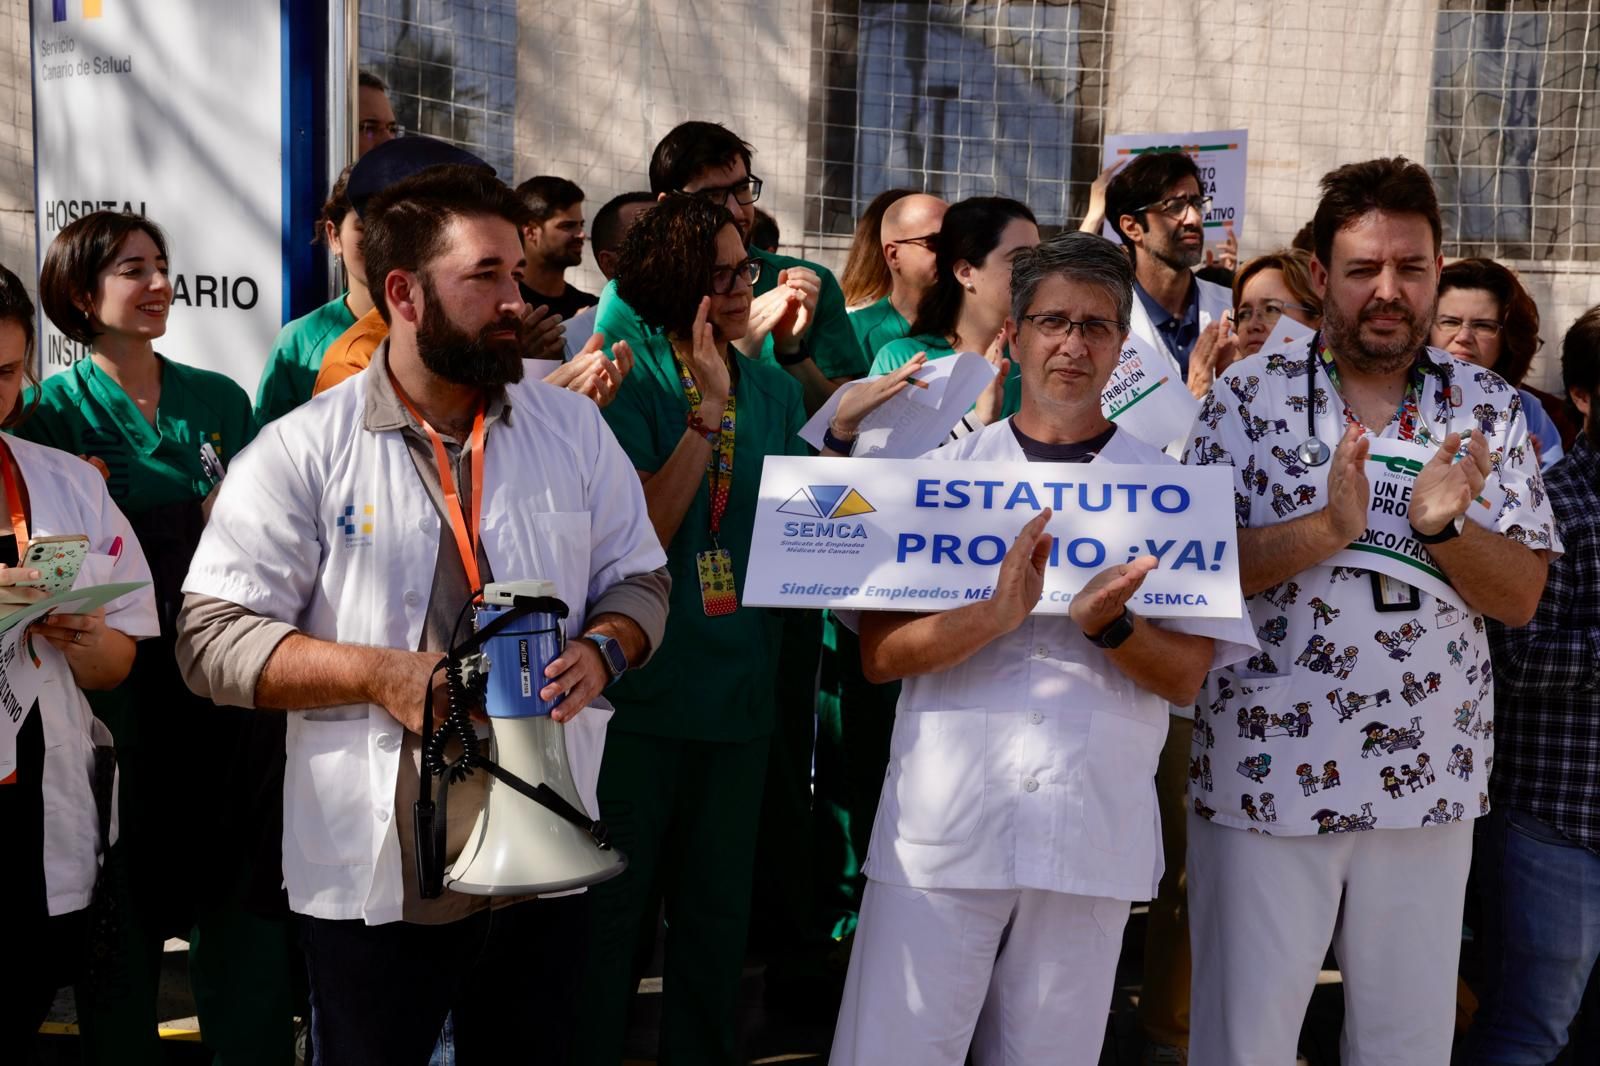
x=329 y=808
x=1118 y=780
x=936 y=775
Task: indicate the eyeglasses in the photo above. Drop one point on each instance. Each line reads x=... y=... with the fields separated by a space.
x=371 y=127
x=1482 y=329
x=1094 y=330
x=747 y=191
x=1270 y=312
x=930 y=241
x=1175 y=206
x=724 y=279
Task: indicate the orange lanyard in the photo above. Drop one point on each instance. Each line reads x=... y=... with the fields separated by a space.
x=14 y=499
x=464 y=526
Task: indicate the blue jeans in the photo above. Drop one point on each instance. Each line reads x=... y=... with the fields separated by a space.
x=1541 y=936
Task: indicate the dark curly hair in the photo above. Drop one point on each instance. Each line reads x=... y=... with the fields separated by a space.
x=1396 y=186
x=1519 y=315
x=664 y=265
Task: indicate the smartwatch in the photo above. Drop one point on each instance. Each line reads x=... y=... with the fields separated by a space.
x=1451 y=531
x=1113 y=635
x=616 y=662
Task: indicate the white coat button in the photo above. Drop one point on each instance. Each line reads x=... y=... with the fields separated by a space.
x=411 y=598
x=383 y=814
x=1041 y=652
x=1035 y=717
x=1029 y=785
x=388 y=742
x=425 y=524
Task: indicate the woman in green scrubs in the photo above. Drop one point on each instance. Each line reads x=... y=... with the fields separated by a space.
x=291 y=369
x=686 y=755
x=199 y=812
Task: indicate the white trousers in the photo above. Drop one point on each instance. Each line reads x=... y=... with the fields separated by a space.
x=1263 y=910
x=1019 y=976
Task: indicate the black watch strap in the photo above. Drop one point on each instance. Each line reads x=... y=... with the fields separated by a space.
x=1113 y=635
x=1452 y=530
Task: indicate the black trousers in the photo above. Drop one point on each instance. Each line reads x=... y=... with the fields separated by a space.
x=379 y=993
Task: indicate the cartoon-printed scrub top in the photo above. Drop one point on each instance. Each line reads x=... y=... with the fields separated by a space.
x=1352 y=718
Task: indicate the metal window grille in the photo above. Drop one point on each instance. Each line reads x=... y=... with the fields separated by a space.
x=1514 y=128
x=451 y=68
x=958 y=99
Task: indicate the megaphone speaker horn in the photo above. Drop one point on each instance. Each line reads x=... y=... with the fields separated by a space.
x=519 y=845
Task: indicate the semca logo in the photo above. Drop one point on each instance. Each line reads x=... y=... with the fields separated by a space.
x=823 y=520
x=356 y=523
x=89 y=9
x=826 y=501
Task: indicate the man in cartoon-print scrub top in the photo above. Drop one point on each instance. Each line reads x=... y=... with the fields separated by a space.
x=1384 y=685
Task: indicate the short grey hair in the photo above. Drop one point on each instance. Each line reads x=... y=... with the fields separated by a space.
x=1076 y=256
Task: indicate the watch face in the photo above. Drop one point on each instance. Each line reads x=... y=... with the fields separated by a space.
x=615 y=660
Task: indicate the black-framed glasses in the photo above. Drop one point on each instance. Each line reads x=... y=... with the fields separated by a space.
x=725 y=278
x=1175 y=206
x=1270 y=312
x=1094 y=330
x=747 y=191
x=930 y=241
x=1482 y=328
x=370 y=128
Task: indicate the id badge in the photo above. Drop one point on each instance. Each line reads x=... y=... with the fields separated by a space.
x=717 y=595
x=1392 y=594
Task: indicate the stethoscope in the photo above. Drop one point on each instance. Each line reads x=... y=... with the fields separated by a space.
x=1314 y=451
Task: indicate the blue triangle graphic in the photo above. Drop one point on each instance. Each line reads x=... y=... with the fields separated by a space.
x=828 y=497
x=800 y=504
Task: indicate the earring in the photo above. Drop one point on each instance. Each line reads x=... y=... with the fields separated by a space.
x=971 y=287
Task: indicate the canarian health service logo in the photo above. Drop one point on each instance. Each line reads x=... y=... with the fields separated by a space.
x=826 y=501
x=356 y=523
x=89 y=9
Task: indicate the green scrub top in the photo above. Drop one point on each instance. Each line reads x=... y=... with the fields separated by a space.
x=711 y=678
x=291 y=370
x=84 y=412
x=877 y=324
x=831 y=341
x=898 y=353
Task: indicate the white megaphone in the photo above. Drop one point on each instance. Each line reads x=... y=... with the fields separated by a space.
x=533 y=835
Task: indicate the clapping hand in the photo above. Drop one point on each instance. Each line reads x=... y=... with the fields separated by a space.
x=1446 y=488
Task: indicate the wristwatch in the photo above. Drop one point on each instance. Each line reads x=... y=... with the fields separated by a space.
x=616 y=662
x=1451 y=531
x=1113 y=635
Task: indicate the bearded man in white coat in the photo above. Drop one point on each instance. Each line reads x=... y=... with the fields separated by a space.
x=1018 y=818
x=341 y=554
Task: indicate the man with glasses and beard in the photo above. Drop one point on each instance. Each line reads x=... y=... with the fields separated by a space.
x=1389 y=898
x=341 y=552
x=1158 y=208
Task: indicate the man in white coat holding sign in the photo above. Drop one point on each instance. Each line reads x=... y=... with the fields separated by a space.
x=1388 y=500
x=1018 y=817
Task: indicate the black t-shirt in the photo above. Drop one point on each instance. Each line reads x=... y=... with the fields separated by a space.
x=1082 y=451
x=566 y=305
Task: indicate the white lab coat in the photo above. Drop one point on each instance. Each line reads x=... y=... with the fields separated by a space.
x=561 y=502
x=1032 y=764
x=1214 y=300
x=66 y=495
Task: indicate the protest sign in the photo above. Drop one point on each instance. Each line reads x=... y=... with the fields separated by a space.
x=915 y=420
x=928 y=535
x=1388 y=545
x=1145 y=398
x=1220 y=155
